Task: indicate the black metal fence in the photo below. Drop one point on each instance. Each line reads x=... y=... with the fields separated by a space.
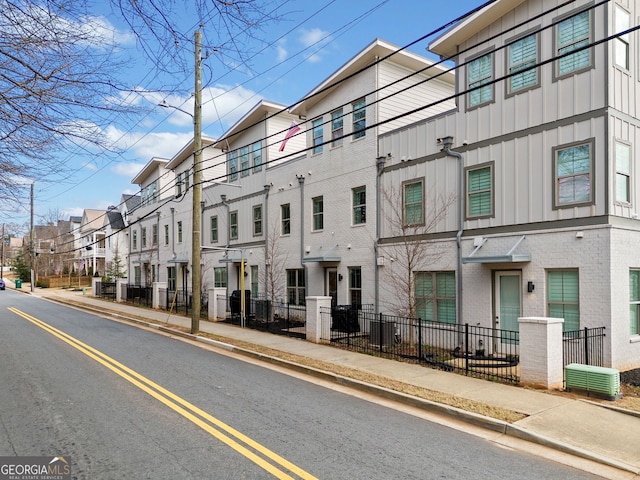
x=275 y=317
x=106 y=290
x=475 y=351
x=584 y=346
x=139 y=295
x=180 y=302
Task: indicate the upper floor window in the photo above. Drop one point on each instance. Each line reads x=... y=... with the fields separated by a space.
x=480 y=80
x=572 y=34
x=244 y=161
x=144 y=237
x=623 y=173
x=285 y=218
x=232 y=163
x=317 y=132
x=480 y=191
x=179 y=185
x=522 y=55
x=186 y=180
x=134 y=239
x=621 y=43
x=413 y=208
x=256 y=154
x=573 y=175
x=166 y=234
x=318 y=213
x=154 y=235
x=233 y=225
x=359 y=118
x=359 y=205
x=337 y=122
x=180 y=232
x=257 y=220
x=213 y=231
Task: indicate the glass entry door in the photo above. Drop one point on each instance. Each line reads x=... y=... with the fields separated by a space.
x=331 y=285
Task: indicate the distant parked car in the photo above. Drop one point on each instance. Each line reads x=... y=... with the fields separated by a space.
x=1 y=284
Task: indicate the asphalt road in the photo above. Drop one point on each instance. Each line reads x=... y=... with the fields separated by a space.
x=125 y=403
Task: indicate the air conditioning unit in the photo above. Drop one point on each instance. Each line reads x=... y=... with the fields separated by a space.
x=595 y=381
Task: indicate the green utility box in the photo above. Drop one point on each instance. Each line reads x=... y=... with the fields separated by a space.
x=593 y=381
x=18 y=283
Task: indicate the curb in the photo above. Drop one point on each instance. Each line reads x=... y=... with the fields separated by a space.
x=476 y=419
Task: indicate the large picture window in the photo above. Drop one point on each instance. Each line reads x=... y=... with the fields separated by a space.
x=573 y=175
x=634 y=302
x=563 y=297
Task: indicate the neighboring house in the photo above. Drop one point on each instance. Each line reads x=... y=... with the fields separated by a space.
x=116 y=242
x=549 y=196
x=92 y=239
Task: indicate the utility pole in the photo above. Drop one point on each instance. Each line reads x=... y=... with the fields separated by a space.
x=196 y=279
x=31 y=252
x=2 y=262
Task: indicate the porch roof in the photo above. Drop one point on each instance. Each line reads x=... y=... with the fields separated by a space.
x=509 y=257
x=320 y=255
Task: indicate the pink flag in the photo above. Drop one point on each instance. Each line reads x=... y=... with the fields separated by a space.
x=293 y=129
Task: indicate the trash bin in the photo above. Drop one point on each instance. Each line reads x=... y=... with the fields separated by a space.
x=234 y=303
x=18 y=283
x=344 y=318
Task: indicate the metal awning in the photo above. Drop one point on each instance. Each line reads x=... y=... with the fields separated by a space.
x=319 y=256
x=509 y=257
x=231 y=260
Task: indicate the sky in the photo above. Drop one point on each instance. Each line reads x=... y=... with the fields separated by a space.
x=309 y=42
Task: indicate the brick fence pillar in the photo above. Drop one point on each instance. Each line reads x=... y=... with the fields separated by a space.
x=541 y=352
x=314 y=325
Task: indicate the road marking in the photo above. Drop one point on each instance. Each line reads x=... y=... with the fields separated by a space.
x=180 y=406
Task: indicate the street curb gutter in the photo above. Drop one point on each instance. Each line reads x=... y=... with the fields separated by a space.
x=482 y=421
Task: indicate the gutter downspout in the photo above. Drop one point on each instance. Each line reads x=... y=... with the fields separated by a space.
x=223 y=198
x=446 y=148
x=267 y=188
x=380 y=168
x=301 y=184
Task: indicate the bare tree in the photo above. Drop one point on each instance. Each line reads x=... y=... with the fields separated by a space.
x=408 y=247
x=274 y=275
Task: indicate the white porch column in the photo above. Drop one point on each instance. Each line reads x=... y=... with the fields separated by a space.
x=541 y=352
x=314 y=324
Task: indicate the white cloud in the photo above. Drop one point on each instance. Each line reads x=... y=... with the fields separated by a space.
x=281 y=51
x=90 y=166
x=315 y=40
x=129 y=170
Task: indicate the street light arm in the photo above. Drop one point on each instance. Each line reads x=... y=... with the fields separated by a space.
x=164 y=104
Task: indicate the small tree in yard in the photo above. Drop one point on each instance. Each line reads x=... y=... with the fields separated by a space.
x=408 y=246
x=273 y=276
x=115 y=268
x=21 y=266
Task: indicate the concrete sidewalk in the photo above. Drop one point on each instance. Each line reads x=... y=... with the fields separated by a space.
x=596 y=432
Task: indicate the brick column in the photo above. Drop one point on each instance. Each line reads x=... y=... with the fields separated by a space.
x=314 y=319
x=541 y=352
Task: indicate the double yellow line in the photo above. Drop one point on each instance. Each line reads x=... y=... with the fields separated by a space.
x=259 y=454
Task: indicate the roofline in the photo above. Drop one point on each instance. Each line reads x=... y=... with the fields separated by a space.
x=187 y=150
x=144 y=172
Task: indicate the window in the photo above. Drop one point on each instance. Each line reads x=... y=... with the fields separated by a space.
x=523 y=54
x=563 y=297
x=257 y=156
x=137 y=275
x=359 y=118
x=621 y=43
x=355 y=286
x=337 y=130
x=413 y=208
x=180 y=232
x=317 y=131
x=623 y=172
x=233 y=225
x=179 y=184
x=573 y=175
x=232 y=161
x=254 y=281
x=480 y=80
x=149 y=193
x=436 y=296
x=143 y=237
x=480 y=192
x=185 y=175
x=220 y=277
x=154 y=235
x=295 y=287
x=634 y=301
x=359 y=205
x=171 y=278
x=213 y=237
x=244 y=161
x=318 y=213
x=134 y=239
x=257 y=220
x=572 y=34
x=166 y=234
x=285 y=218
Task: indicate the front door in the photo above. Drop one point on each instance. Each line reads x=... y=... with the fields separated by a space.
x=508 y=303
x=331 y=285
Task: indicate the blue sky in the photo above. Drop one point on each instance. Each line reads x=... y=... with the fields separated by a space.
x=311 y=41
